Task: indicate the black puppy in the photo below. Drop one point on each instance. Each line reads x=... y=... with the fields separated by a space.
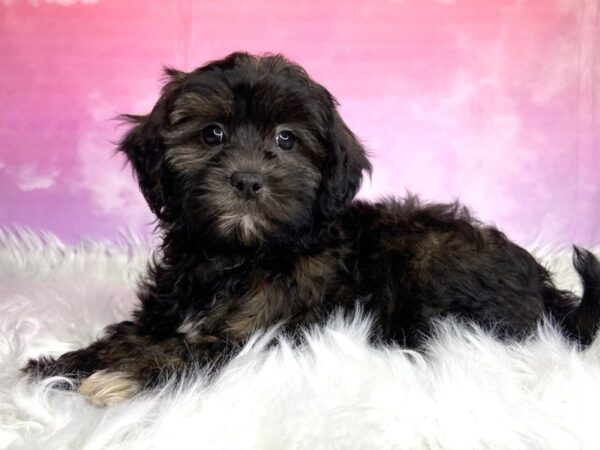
x=251 y=173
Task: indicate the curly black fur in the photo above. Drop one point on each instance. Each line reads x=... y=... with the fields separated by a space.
x=300 y=248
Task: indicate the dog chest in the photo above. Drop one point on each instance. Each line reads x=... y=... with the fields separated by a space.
x=267 y=295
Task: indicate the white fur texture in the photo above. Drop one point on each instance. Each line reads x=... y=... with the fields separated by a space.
x=336 y=392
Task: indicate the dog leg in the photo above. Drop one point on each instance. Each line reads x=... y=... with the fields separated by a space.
x=125 y=362
x=119 y=341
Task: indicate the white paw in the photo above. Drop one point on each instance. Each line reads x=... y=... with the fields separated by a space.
x=105 y=388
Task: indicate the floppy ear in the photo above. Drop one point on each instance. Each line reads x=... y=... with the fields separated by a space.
x=143 y=145
x=346 y=163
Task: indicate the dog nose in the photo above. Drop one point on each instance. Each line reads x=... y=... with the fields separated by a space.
x=247 y=184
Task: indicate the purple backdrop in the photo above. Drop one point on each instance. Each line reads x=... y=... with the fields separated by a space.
x=494 y=102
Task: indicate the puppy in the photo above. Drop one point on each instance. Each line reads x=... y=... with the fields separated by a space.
x=252 y=173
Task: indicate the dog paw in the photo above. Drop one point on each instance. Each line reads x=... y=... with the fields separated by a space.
x=41 y=367
x=105 y=387
x=46 y=366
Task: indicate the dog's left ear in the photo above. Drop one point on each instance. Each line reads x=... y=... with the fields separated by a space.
x=144 y=149
x=347 y=160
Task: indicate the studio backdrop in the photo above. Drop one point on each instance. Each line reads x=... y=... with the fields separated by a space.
x=495 y=102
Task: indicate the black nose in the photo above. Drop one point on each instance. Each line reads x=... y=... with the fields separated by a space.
x=247 y=184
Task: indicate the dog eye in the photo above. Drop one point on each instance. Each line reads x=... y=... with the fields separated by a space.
x=213 y=135
x=285 y=140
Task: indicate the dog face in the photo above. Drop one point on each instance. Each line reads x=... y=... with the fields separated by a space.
x=245 y=149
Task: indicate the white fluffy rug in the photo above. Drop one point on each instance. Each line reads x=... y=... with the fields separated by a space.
x=337 y=392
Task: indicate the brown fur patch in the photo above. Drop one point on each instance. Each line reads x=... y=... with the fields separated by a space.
x=284 y=298
x=263 y=306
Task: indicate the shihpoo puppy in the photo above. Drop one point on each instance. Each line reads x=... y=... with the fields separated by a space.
x=252 y=175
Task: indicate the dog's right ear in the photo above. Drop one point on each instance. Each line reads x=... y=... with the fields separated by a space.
x=144 y=148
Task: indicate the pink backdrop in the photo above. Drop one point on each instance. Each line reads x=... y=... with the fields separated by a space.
x=496 y=102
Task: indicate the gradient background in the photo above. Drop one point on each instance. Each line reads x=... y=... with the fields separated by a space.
x=496 y=102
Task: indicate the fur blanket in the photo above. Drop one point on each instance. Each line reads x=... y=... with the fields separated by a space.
x=336 y=391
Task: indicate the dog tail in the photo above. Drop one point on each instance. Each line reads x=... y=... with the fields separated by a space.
x=580 y=319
